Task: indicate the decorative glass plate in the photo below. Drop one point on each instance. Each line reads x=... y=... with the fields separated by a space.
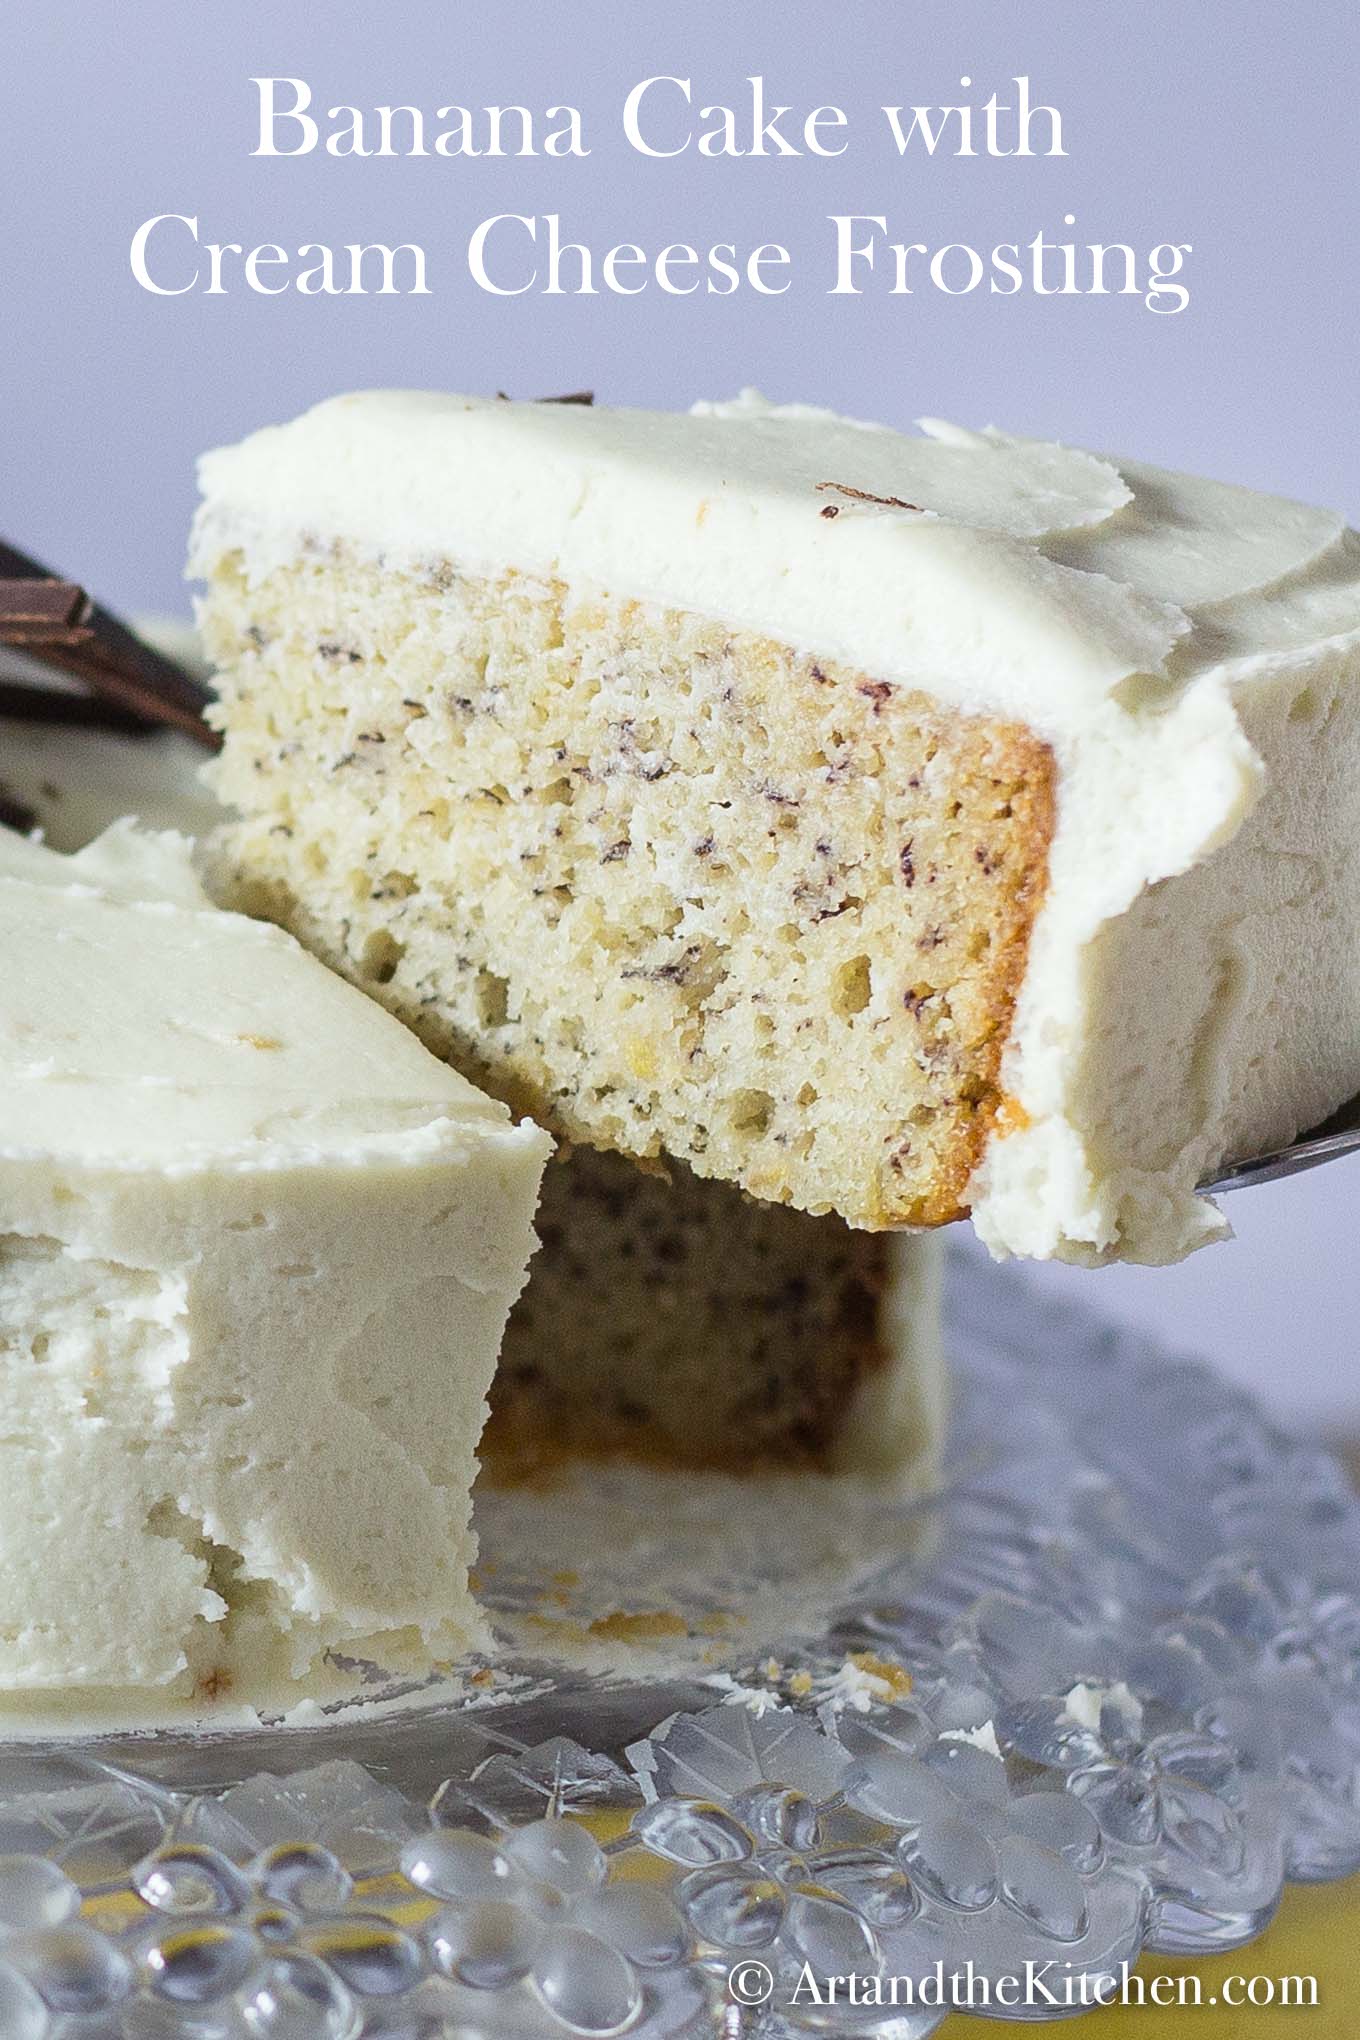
x=1099 y=1695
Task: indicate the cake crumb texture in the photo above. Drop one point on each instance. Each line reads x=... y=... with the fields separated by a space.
x=671 y=887
x=683 y=1322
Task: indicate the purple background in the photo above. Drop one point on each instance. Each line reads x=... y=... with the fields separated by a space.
x=1185 y=120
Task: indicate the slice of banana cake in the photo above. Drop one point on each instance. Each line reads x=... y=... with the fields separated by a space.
x=889 y=826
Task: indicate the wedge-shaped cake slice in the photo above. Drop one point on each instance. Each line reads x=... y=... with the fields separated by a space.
x=890 y=826
x=257 y=1249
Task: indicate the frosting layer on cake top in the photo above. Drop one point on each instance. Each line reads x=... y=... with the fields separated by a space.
x=148 y=1028
x=1003 y=573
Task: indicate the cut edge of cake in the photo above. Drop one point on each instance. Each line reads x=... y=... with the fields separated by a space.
x=600 y=911
x=677 y=1321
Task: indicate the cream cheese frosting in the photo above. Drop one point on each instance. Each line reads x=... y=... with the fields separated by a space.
x=1189 y=650
x=257 y=1249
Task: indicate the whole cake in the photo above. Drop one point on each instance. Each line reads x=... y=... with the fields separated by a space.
x=892 y=827
x=257 y=1249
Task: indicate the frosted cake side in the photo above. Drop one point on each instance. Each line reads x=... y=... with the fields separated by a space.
x=257 y=1249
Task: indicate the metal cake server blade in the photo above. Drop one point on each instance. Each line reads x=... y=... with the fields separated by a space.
x=1337 y=1136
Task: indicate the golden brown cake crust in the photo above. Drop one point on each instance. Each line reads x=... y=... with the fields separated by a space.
x=672 y=888
x=1025 y=763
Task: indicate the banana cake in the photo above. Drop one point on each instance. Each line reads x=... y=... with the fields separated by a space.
x=889 y=826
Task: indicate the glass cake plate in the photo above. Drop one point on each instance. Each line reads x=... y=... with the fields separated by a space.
x=1099 y=1694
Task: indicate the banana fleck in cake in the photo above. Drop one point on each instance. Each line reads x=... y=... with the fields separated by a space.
x=892 y=827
